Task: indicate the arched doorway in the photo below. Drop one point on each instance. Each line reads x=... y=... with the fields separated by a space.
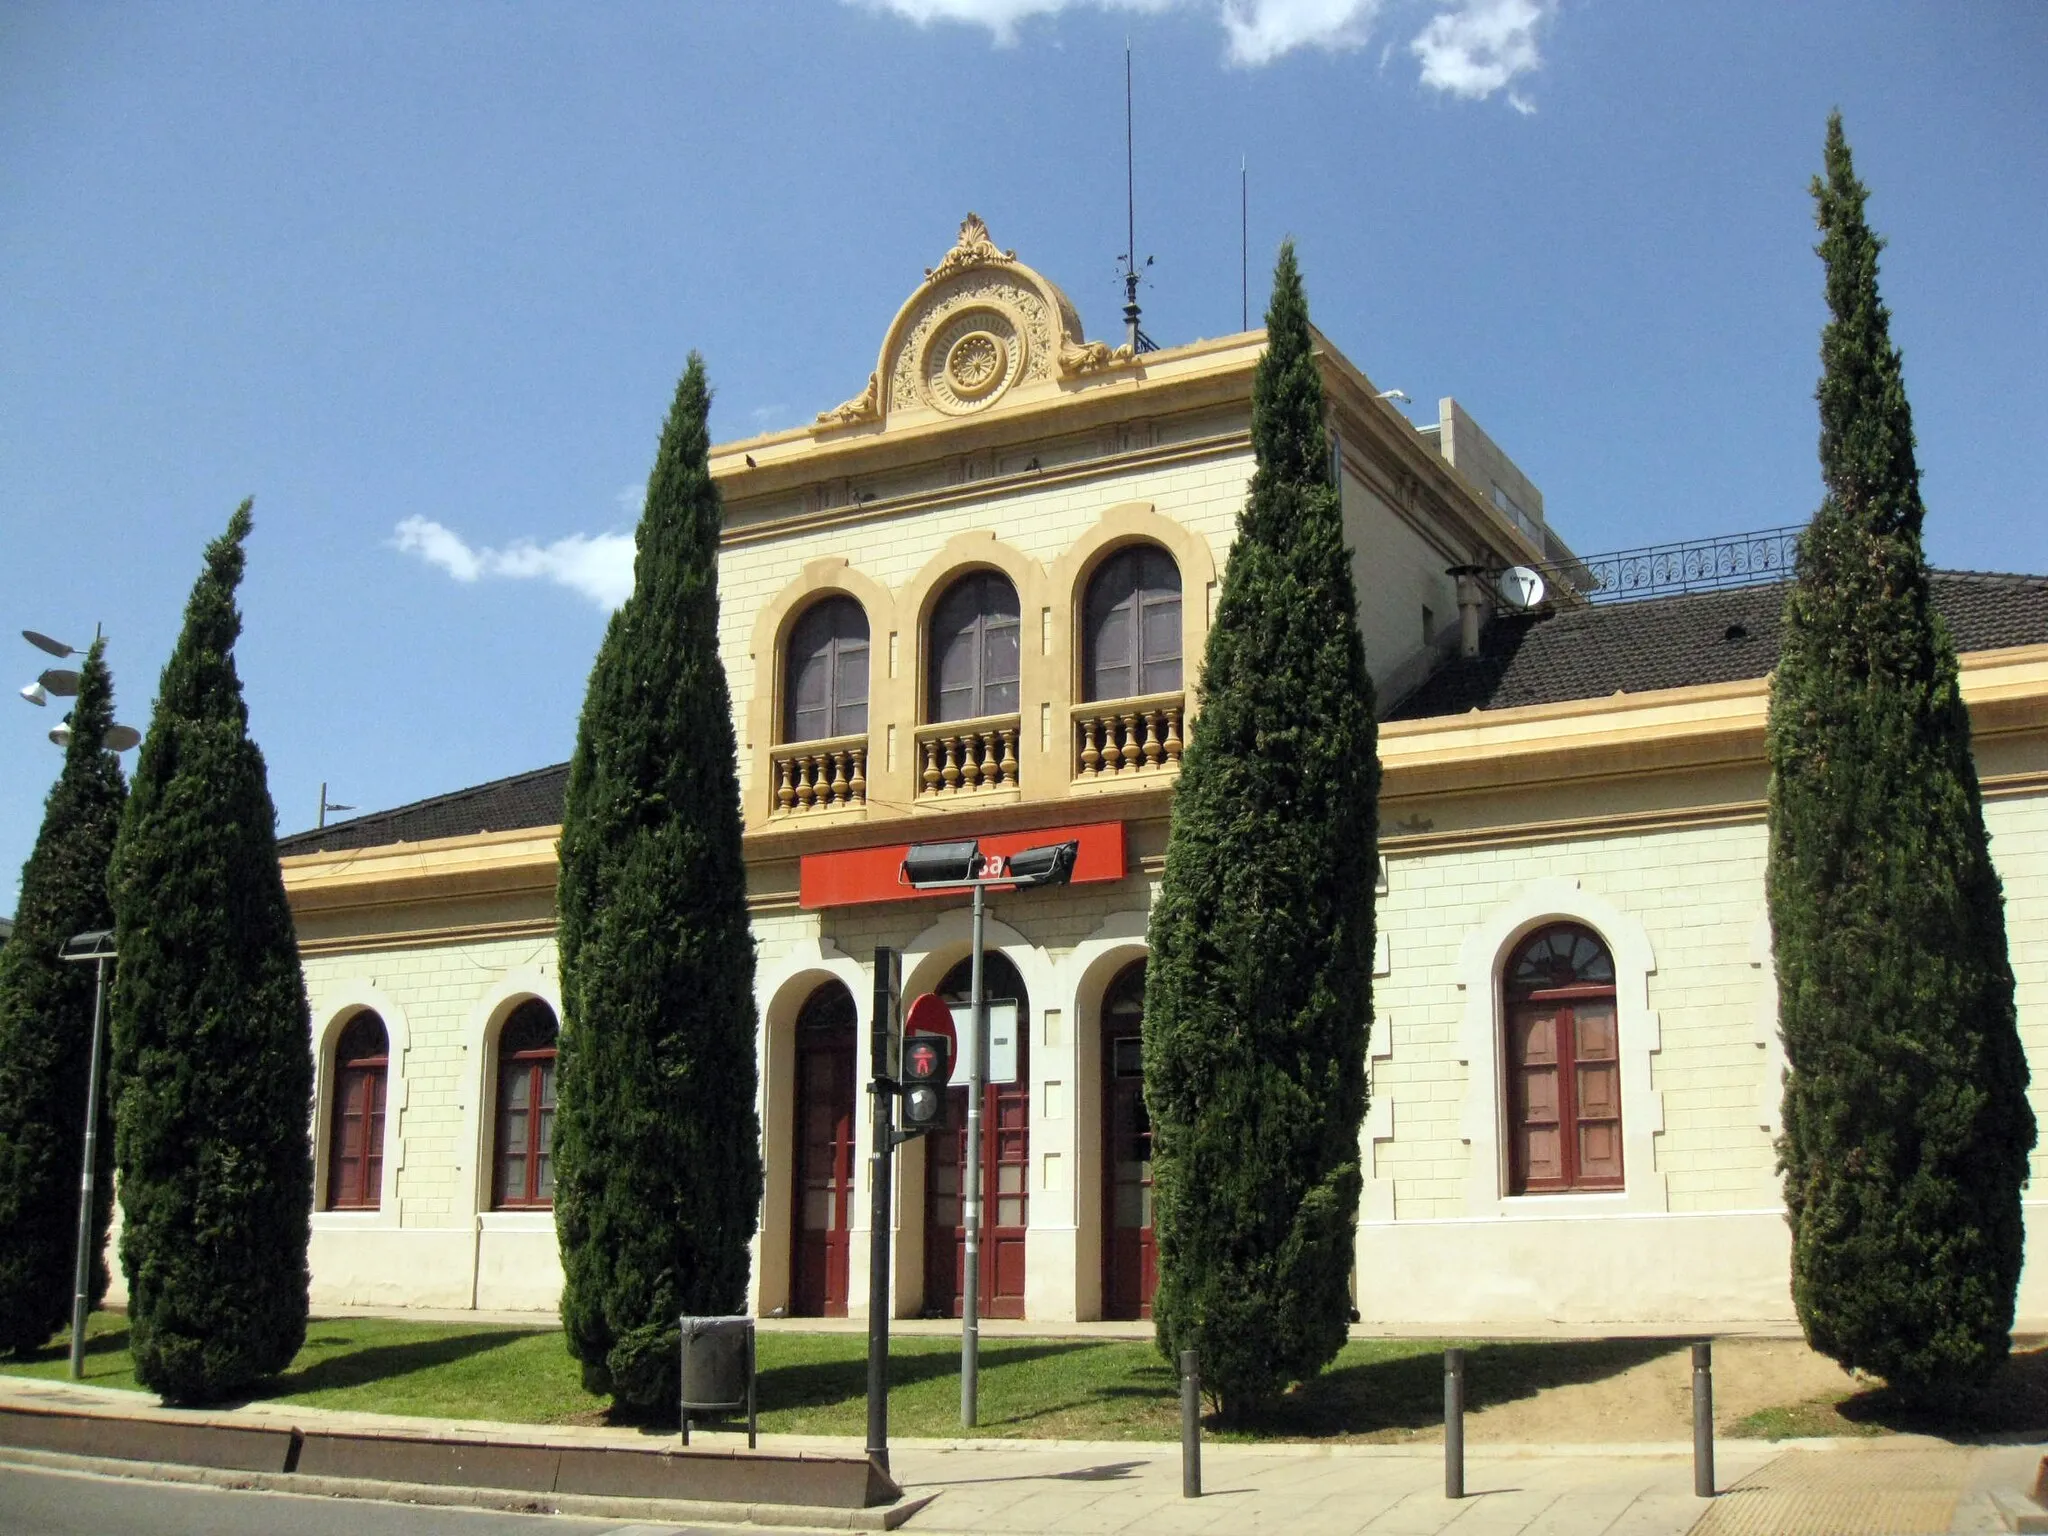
x=1563 y=1064
x=1130 y=1263
x=822 y=1208
x=1005 y=1166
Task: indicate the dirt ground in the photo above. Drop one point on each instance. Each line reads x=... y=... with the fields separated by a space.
x=1653 y=1401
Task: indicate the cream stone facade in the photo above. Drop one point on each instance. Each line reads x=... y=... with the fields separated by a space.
x=993 y=437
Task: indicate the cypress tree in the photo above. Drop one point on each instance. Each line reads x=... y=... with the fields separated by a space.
x=1906 y=1121
x=657 y=1141
x=46 y=1024
x=1258 y=997
x=211 y=1031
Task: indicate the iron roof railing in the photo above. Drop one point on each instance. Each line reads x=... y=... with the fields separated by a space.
x=1667 y=570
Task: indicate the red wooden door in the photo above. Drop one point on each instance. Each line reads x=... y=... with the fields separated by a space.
x=1130 y=1260
x=1564 y=1092
x=1005 y=1172
x=355 y=1148
x=824 y=1163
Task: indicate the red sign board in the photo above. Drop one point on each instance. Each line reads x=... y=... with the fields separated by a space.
x=852 y=876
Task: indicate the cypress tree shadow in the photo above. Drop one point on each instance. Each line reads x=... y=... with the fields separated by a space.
x=387 y=1362
x=112 y=1341
x=1407 y=1392
x=2010 y=1402
x=825 y=1383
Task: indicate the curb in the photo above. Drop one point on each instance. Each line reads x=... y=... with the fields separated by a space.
x=794 y=1517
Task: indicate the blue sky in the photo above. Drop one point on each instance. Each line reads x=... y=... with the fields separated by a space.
x=437 y=266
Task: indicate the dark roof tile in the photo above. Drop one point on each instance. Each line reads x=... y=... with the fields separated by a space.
x=503 y=805
x=1677 y=642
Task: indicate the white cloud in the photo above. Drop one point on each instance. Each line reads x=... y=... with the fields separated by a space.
x=598 y=566
x=1261 y=31
x=1471 y=48
x=1481 y=46
x=1001 y=16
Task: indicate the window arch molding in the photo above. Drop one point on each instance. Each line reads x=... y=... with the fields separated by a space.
x=959 y=557
x=1121 y=525
x=479 y=1090
x=337 y=1010
x=1486 y=950
x=820 y=580
x=1092 y=968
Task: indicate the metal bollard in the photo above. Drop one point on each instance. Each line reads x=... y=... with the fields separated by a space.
x=1703 y=1420
x=1454 y=1423
x=1190 y=1425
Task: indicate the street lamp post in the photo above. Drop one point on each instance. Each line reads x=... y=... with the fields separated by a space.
x=963 y=867
x=98 y=948
x=62 y=682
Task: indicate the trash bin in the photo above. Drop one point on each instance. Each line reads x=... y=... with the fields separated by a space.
x=718 y=1369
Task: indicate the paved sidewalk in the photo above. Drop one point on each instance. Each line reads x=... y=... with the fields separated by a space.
x=1903 y=1484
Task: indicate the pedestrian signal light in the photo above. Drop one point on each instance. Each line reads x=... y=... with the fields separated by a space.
x=927 y=1065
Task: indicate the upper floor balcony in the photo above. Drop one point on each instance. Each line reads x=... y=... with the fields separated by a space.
x=990 y=680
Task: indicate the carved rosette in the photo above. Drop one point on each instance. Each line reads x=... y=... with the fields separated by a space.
x=967 y=363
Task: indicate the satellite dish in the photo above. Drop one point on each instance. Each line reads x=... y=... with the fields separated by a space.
x=1520 y=588
x=120 y=738
x=61 y=681
x=45 y=643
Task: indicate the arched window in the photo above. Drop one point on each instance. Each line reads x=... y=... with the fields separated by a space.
x=524 y=1167
x=355 y=1141
x=1132 y=625
x=1563 y=1064
x=825 y=681
x=974 y=649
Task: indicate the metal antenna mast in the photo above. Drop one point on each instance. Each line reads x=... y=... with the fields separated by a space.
x=1134 y=338
x=1244 y=245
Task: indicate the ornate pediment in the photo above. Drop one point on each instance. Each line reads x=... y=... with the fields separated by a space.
x=981 y=327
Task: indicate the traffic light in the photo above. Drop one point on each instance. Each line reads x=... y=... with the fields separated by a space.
x=927 y=1065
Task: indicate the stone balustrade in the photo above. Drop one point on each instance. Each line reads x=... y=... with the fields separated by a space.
x=829 y=775
x=965 y=757
x=1124 y=738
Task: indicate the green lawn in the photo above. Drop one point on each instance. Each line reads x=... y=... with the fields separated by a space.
x=1080 y=1389
x=816 y=1383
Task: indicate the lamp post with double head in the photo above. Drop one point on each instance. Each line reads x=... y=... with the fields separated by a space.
x=963 y=867
x=96 y=948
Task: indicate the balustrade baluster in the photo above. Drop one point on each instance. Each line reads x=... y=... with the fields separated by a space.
x=1173 y=741
x=1131 y=750
x=838 y=779
x=1008 y=764
x=952 y=770
x=857 y=786
x=785 y=795
x=1152 y=750
x=931 y=766
x=1091 y=750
